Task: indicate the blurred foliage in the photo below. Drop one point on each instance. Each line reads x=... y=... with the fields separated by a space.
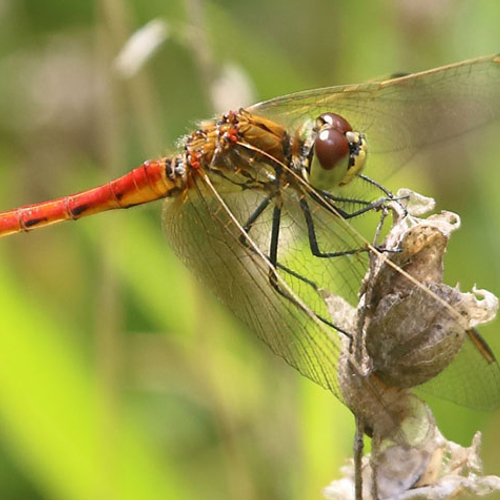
x=120 y=377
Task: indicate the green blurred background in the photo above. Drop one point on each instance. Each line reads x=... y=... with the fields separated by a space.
x=120 y=377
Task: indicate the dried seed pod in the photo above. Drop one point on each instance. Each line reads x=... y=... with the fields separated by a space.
x=408 y=327
x=415 y=325
x=415 y=330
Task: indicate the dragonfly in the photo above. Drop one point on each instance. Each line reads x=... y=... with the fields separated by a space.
x=268 y=205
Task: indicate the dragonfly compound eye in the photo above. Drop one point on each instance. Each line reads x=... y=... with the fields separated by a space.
x=330 y=147
x=333 y=120
x=335 y=152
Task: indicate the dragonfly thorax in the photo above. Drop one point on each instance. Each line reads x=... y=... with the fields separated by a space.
x=250 y=150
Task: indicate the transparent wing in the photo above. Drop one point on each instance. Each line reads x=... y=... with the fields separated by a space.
x=469 y=381
x=208 y=241
x=402 y=115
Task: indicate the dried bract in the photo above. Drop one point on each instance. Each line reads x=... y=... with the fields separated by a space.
x=409 y=326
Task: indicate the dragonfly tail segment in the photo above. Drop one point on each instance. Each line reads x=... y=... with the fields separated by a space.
x=153 y=180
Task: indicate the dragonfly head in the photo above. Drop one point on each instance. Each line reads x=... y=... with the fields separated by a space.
x=338 y=153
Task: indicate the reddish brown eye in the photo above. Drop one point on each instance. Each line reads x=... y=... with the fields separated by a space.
x=330 y=147
x=334 y=121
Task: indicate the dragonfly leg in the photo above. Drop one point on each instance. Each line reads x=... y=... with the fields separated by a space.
x=316 y=288
x=388 y=193
x=255 y=215
x=371 y=181
x=313 y=242
x=371 y=206
x=273 y=276
x=295 y=274
x=368 y=205
x=243 y=240
x=273 y=258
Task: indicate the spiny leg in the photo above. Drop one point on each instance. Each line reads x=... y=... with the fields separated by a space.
x=310 y=224
x=367 y=179
x=313 y=242
x=243 y=240
x=273 y=257
x=255 y=215
x=273 y=276
x=388 y=193
x=368 y=205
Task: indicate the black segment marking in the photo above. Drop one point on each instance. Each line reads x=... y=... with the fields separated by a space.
x=76 y=211
x=168 y=169
x=34 y=222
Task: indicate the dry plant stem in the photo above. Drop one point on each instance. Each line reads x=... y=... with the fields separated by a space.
x=358 y=457
x=373 y=465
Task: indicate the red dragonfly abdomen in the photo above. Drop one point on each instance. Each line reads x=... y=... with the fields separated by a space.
x=157 y=178
x=146 y=183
